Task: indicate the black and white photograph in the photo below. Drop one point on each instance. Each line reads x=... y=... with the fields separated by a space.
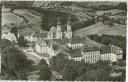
x=63 y=40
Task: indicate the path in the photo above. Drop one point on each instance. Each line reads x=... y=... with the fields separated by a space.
x=55 y=74
x=36 y=55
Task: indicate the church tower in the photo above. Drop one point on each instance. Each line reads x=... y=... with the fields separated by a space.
x=68 y=34
x=59 y=30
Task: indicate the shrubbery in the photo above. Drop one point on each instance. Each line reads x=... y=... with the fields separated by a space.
x=72 y=70
x=14 y=63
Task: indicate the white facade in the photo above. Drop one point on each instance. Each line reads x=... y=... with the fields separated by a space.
x=44 y=48
x=105 y=56
x=57 y=33
x=77 y=58
x=91 y=57
x=119 y=56
x=74 y=46
x=109 y=56
x=10 y=36
x=113 y=57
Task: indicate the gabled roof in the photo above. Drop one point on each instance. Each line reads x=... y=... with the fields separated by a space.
x=90 y=49
x=75 y=52
x=105 y=49
x=53 y=30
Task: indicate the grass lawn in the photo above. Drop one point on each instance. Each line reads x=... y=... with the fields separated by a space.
x=100 y=29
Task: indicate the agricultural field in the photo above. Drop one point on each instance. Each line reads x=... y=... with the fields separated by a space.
x=113 y=11
x=30 y=15
x=100 y=29
x=8 y=17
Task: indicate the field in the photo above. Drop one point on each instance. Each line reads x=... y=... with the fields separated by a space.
x=100 y=29
x=30 y=15
x=113 y=11
x=33 y=17
x=8 y=17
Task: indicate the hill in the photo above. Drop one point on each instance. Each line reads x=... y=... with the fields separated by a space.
x=100 y=29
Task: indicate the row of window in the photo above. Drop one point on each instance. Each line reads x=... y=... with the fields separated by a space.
x=92 y=56
x=94 y=52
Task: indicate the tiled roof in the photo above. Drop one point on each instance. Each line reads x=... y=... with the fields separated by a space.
x=89 y=49
x=76 y=39
x=75 y=53
x=105 y=49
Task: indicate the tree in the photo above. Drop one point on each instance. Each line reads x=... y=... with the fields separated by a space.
x=58 y=62
x=94 y=75
x=22 y=41
x=45 y=73
x=14 y=30
x=14 y=63
x=44 y=25
x=68 y=73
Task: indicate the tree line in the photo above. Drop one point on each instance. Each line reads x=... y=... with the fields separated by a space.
x=80 y=71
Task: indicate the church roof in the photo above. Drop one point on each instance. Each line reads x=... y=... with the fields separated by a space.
x=73 y=40
x=53 y=30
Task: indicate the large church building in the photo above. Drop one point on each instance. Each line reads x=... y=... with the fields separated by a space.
x=58 y=32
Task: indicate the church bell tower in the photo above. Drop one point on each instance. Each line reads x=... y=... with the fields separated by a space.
x=59 y=30
x=69 y=30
